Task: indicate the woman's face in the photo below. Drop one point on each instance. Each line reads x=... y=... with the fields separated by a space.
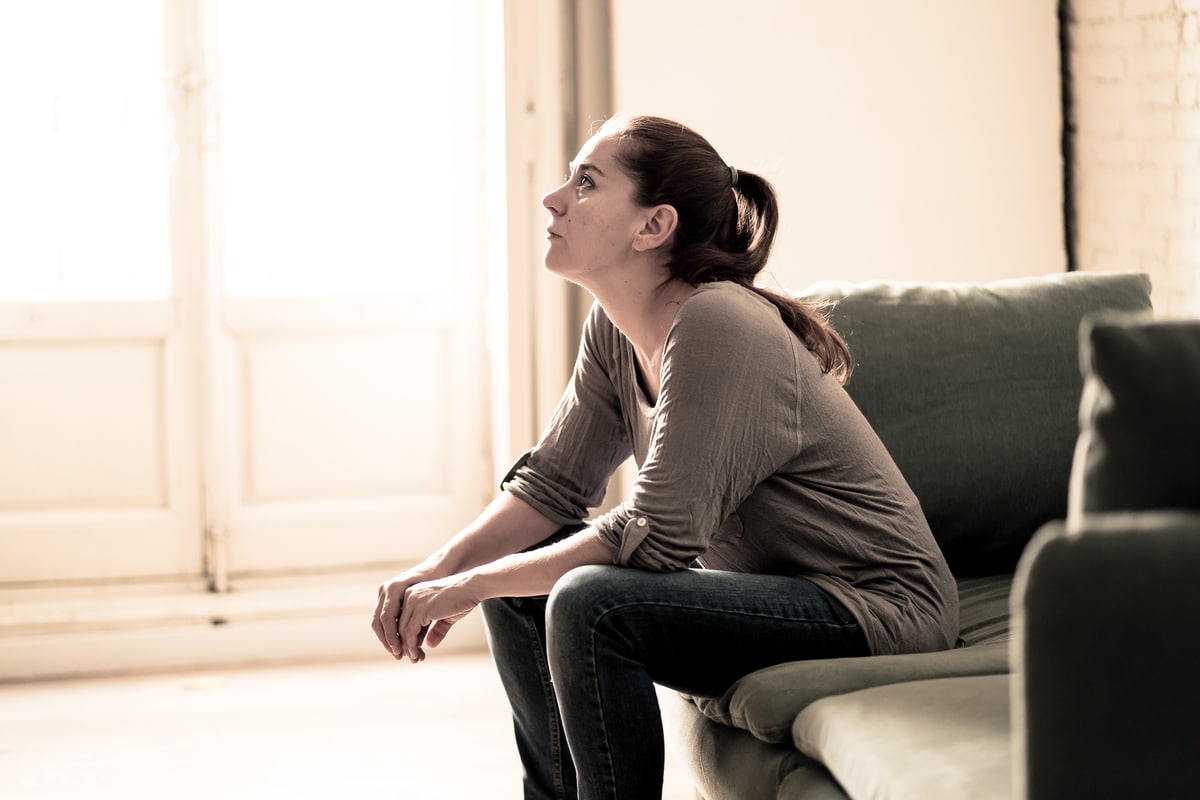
x=593 y=217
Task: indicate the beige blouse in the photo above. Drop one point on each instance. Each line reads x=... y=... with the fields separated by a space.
x=753 y=460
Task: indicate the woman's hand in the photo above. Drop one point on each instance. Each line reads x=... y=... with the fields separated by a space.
x=429 y=610
x=508 y=525
x=430 y=598
x=386 y=621
x=417 y=607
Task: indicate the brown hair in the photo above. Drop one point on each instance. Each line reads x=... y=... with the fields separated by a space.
x=727 y=221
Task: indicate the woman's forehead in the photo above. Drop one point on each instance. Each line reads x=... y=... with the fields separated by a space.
x=598 y=150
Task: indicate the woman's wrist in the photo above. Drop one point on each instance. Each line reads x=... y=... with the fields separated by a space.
x=439 y=564
x=451 y=559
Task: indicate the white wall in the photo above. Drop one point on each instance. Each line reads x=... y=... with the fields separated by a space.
x=1135 y=70
x=916 y=140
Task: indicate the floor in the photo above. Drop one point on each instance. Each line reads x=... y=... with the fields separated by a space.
x=377 y=729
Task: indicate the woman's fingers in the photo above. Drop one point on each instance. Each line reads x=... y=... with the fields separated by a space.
x=409 y=611
x=387 y=612
x=438 y=630
x=411 y=628
x=377 y=619
x=376 y=625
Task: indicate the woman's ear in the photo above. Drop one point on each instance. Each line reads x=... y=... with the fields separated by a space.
x=660 y=225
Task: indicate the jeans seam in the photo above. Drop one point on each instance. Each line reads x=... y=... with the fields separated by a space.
x=608 y=748
x=725 y=612
x=560 y=787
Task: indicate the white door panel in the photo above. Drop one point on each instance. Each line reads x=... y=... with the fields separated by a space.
x=98 y=460
x=357 y=415
x=85 y=428
x=358 y=429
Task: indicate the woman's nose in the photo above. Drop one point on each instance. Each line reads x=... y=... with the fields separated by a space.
x=551 y=201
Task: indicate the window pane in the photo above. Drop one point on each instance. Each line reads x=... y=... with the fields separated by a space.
x=83 y=194
x=339 y=129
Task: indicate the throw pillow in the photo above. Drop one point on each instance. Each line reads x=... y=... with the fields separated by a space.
x=1139 y=442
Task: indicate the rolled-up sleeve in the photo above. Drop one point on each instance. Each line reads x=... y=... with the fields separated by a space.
x=641 y=541
x=567 y=472
x=635 y=532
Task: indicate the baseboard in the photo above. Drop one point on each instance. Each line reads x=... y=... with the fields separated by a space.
x=128 y=630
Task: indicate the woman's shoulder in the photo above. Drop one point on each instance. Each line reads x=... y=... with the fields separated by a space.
x=721 y=308
x=601 y=338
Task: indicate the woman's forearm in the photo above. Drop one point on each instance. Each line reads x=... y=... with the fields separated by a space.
x=489 y=554
x=535 y=572
x=508 y=525
x=406 y=612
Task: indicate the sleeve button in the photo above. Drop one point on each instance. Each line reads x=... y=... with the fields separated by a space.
x=641 y=521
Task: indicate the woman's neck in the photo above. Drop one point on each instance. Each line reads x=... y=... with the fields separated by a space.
x=644 y=313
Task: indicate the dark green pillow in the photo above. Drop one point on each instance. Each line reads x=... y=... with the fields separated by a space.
x=974 y=388
x=1139 y=442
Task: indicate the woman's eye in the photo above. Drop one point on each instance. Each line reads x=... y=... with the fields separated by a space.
x=585 y=182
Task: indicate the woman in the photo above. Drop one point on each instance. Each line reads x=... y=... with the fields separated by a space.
x=755 y=469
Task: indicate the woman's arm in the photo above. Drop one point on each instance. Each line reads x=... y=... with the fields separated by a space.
x=438 y=604
x=508 y=525
x=553 y=485
x=484 y=548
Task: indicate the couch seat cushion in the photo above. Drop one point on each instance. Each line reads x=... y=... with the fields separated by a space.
x=927 y=740
x=983 y=610
x=766 y=702
x=726 y=763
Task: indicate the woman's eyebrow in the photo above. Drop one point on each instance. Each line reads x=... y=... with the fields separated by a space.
x=586 y=167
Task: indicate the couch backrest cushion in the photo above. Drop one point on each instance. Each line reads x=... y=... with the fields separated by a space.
x=1139 y=439
x=974 y=388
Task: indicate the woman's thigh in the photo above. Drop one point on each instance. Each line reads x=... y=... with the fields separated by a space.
x=700 y=630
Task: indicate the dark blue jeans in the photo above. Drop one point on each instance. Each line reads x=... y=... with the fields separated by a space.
x=580 y=666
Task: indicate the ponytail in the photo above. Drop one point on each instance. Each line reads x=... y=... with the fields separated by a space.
x=810 y=322
x=727 y=223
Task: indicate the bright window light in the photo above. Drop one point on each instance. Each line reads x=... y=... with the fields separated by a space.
x=339 y=134
x=83 y=151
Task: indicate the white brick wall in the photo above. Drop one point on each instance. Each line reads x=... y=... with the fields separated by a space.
x=1135 y=67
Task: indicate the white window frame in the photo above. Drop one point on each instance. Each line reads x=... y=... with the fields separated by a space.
x=122 y=627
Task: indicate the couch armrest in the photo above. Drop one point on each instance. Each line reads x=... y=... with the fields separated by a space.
x=1106 y=658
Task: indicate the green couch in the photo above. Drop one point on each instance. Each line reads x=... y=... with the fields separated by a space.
x=976 y=390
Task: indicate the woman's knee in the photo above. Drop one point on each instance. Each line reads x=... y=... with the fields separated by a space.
x=574 y=611
x=577 y=594
x=592 y=604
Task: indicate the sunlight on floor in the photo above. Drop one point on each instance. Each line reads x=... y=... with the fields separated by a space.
x=374 y=729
